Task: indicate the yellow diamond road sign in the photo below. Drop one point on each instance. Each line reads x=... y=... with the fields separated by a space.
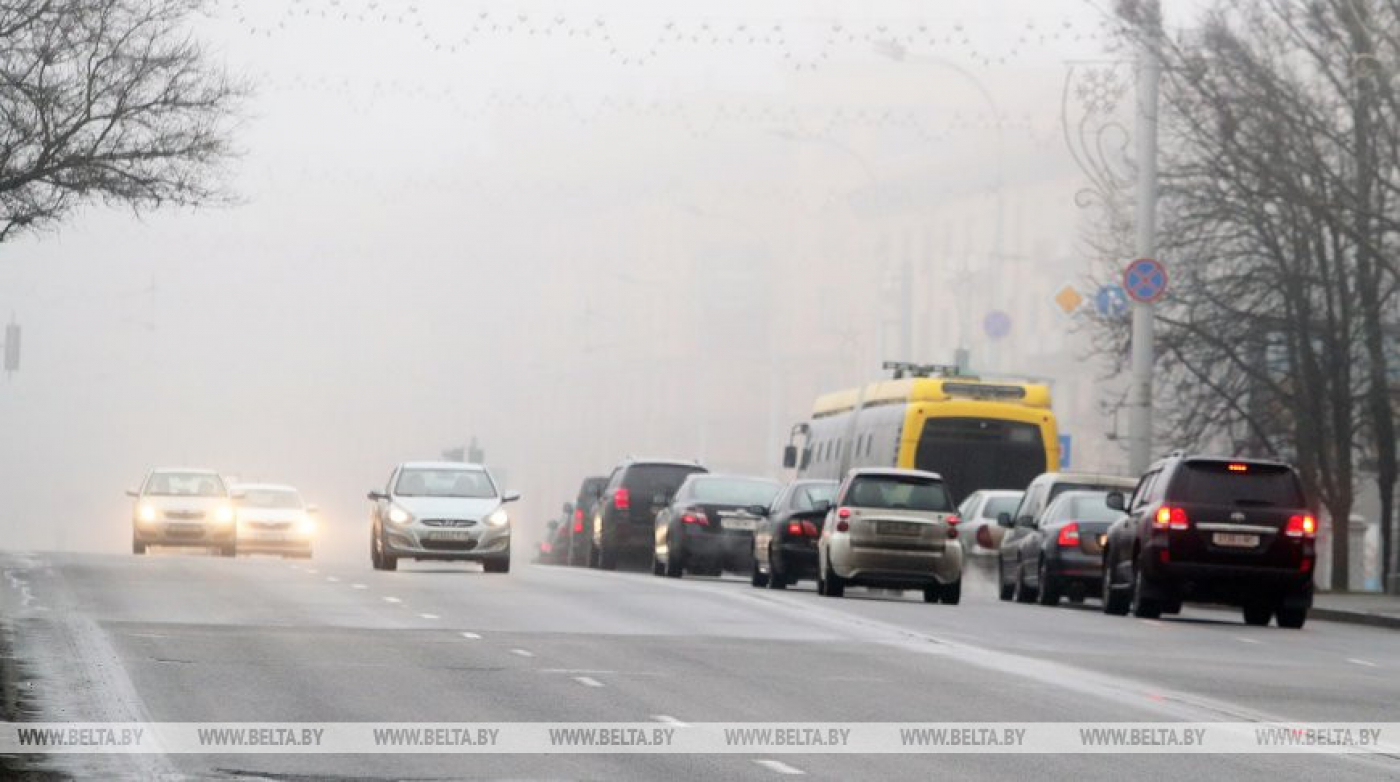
x=1069 y=300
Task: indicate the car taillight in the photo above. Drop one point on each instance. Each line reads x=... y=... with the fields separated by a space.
x=578 y=525
x=984 y=537
x=1069 y=535
x=1171 y=516
x=843 y=513
x=578 y=515
x=810 y=529
x=545 y=547
x=1301 y=526
x=694 y=518
x=794 y=529
x=622 y=499
x=953 y=519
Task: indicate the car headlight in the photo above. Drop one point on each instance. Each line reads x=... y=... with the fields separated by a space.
x=146 y=513
x=498 y=518
x=224 y=515
x=307 y=526
x=399 y=515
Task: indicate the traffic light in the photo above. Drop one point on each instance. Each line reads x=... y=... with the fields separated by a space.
x=11 y=347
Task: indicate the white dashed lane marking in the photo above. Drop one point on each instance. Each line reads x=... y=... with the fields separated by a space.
x=392 y=600
x=429 y=616
x=779 y=767
x=522 y=652
x=588 y=681
x=357 y=586
x=1355 y=661
x=669 y=720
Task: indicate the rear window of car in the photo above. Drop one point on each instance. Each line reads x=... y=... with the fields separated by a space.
x=1237 y=483
x=806 y=497
x=733 y=491
x=647 y=480
x=1088 y=507
x=1060 y=488
x=999 y=505
x=896 y=492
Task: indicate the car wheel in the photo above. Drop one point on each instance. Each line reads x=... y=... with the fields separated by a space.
x=607 y=560
x=777 y=576
x=1115 y=601
x=1005 y=589
x=932 y=593
x=228 y=551
x=1049 y=594
x=657 y=569
x=759 y=579
x=496 y=565
x=1292 y=617
x=1143 y=607
x=138 y=548
x=1024 y=594
x=387 y=561
x=835 y=585
x=949 y=594
x=1257 y=614
x=675 y=568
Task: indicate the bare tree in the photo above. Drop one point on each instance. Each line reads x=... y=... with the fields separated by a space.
x=109 y=101
x=1278 y=205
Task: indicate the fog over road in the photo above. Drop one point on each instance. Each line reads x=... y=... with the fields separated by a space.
x=175 y=638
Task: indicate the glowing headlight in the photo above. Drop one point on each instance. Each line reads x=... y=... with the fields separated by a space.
x=498 y=518
x=307 y=526
x=146 y=513
x=399 y=515
x=224 y=514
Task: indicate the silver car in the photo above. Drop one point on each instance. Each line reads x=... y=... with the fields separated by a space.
x=183 y=507
x=894 y=529
x=441 y=511
x=273 y=519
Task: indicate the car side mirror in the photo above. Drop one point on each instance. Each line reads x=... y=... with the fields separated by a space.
x=822 y=506
x=1004 y=520
x=790 y=457
x=552 y=526
x=568 y=509
x=313 y=509
x=1115 y=501
x=376 y=496
x=1026 y=521
x=757 y=510
x=510 y=496
x=133 y=493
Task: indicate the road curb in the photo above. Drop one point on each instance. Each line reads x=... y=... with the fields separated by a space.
x=1355 y=617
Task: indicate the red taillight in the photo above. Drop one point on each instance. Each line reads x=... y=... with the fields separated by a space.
x=1069 y=535
x=694 y=518
x=843 y=513
x=794 y=529
x=1235 y=467
x=1301 y=526
x=578 y=515
x=1171 y=516
x=545 y=547
x=622 y=499
x=810 y=529
x=578 y=525
x=984 y=537
x=953 y=519
x=843 y=526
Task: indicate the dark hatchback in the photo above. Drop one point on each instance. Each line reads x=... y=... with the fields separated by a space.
x=1062 y=554
x=1231 y=531
x=636 y=491
x=709 y=526
x=576 y=539
x=785 y=541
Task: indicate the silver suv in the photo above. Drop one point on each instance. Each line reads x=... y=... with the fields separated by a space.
x=441 y=511
x=894 y=529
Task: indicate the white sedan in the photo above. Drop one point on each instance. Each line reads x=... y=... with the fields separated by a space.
x=273 y=519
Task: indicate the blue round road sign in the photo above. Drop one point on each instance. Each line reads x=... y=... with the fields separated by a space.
x=1111 y=301
x=997 y=324
x=1145 y=280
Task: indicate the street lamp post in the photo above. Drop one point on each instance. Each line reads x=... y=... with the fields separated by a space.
x=1140 y=389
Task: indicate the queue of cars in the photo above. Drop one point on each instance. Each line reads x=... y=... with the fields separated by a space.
x=1236 y=532
x=199 y=508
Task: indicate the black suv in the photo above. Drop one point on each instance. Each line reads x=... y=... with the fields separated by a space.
x=624 y=515
x=1216 y=530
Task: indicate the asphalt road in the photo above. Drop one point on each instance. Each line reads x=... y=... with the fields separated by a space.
x=175 y=638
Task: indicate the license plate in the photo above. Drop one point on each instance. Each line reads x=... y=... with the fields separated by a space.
x=743 y=525
x=270 y=537
x=898 y=528
x=458 y=536
x=1235 y=541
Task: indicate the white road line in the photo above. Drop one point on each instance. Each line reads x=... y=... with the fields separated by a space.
x=1244 y=640
x=313 y=572
x=332 y=579
x=357 y=586
x=430 y=616
x=779 y=767
x=669 y=720
x=472 y=636
x=392 y=600
x=1366 y=663
x=522 y=652
x=588 y=681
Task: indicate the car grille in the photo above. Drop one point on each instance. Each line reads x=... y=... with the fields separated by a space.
x=185 y=530
x=184 y=515
x=268 y=525
x=449 y=545
x=449 y=522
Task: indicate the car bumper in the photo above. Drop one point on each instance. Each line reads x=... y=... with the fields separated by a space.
x=183 y=534
x=907 y=568
x=728 y=551
x=1075 y=565
x=265 y=543
x=1224 y=583
x=417 y=542
x=799 y=560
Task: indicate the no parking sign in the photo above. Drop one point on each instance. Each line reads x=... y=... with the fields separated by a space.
x=1145 y=280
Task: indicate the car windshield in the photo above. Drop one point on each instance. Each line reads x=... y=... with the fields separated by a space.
x=444 y=482
x=1223 y=483
x=185 y=484
x=275 y=499
x=733 y=491
x=806 y=496
x=996 y=506
x=1082 y=506
x=896 y=492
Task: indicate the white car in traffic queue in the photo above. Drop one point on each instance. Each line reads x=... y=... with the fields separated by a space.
x=273 y=519
x=891 y=529
x=441 y=511
x=184 y=507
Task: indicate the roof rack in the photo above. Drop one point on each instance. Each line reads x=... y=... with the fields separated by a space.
x=904 y=369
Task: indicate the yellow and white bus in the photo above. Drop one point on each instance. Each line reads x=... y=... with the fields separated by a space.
x=977 y=434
